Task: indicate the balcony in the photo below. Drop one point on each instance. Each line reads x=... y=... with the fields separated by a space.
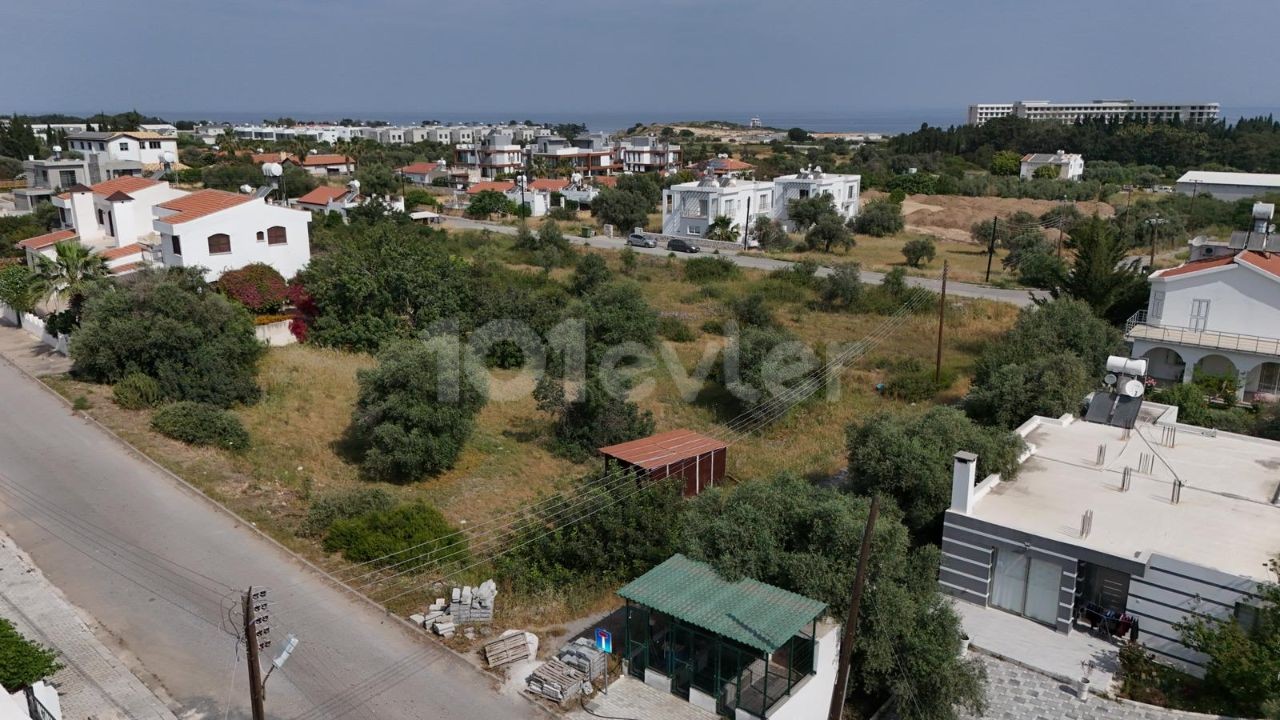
x=1137 y=328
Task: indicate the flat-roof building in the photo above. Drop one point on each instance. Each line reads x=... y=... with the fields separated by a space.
x=1071 y=112
x=1125 y=531
x=1227 y=185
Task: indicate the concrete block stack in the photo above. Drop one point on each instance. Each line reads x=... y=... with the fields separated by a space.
x=583 y=655
x=555 y=681
x=466 y=605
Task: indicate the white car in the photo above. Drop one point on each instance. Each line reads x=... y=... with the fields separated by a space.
x=641 y=240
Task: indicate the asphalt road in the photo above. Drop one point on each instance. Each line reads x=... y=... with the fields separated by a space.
x=1021 y=298
x=160 y=567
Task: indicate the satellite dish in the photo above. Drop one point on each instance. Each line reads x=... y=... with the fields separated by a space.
x=168 y=157
x=57 y=148
x=1133 y=388
x=1110 y=379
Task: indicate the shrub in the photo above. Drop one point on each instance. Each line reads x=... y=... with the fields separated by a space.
x=81 y=403
x=197 y=344
x=328 y=509
x=259 y=287
x=879 y=218
x=916 y=384
x=674 y=329
x=752 y=310
x=710 y=269
x=378 y=533
x=22 y=662
x=919 y=251
x=137 y=391
x=414 y=410
x=713 y=326
x=201 y=424
x=800 y=273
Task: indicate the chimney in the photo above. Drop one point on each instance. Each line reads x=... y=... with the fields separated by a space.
x=964 y=475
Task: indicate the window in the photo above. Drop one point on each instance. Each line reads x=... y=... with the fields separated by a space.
x=1157 y=306
x=804 y=193
x=154 y=145
x=276 y=235
x=101 y=219
x=66 y=178
x=261 y=236
x=1247 y=616
x=175 y=244
x=219 y=244
x=1199 y=314
x=124 y=146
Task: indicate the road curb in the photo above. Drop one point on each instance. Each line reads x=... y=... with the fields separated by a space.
x=419 y=634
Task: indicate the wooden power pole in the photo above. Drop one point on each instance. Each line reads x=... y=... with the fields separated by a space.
x=255 y=630
x=851 y=624
x=942 y=312
x=991 y=246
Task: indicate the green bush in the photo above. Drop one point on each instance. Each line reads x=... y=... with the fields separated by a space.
x=327 y=510
x=917 y=384
x=713 y=326
x=919 y=251
x=674 y=329
x=22 y=662
x=137 y=391
x=373 y=535
x=802 y=273
x=201 y=424
x=710 y=269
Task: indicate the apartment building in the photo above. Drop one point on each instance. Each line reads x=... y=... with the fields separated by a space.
x=688 y=209
x=1105 y=109
x=589 y=155
x=648 y=154
x=497 y=154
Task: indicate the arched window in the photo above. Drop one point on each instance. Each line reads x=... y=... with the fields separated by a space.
x=219 y=244
x=276 y=235
x=261 y=236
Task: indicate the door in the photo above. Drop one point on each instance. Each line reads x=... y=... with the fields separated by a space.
x=1026 y=586
x=1199 y=315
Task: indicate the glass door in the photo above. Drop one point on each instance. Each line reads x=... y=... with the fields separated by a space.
x=1026 y=586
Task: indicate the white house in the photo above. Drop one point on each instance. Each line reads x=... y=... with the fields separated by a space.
x=1069 y=166
x=112 y=154
x=648 y=154
x=321 y=164
x=497 y=154
x=844 y=190
x=689 y=208
x=223 y=231
x=133 y=222
x=1217 y=315
x=424 y=173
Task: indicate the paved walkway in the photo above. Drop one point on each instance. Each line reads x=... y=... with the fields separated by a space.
x=93 y=682
x=1029 y=643
x=1015 y=693
x=28 y=353
x=630 y=699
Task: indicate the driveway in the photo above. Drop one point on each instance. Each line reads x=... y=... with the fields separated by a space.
x=1021 y=298
x=160 y=567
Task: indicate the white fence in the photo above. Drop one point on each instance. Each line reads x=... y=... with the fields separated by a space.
x=275 y=334
x=34 y=327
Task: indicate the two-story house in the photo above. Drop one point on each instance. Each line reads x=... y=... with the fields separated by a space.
x=844 y=190
x=589 y=155
x=112 y=154
x=1066 y=166
x=1217 y=315
x=498 y=154
x=688 y=209
x=648 y=154
x=48 y=177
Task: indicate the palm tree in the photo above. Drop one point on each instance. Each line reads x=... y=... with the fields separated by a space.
x=723 y=229
x=69 y=273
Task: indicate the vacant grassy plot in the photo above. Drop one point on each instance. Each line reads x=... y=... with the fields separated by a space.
x=299 y=426
x=968 y=261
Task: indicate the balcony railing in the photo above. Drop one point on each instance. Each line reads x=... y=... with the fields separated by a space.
x=1137 y=328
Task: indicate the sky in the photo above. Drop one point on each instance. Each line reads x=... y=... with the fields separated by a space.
x=674 y=59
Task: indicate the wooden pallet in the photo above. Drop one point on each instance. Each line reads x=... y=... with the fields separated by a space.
x=509 y=649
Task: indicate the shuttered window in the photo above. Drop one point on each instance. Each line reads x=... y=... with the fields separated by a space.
x=276 y=235
x=219 y=244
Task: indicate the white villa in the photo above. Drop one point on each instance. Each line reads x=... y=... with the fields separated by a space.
x=1069 y=166
x=1217 y=315
x=113 y=154
x=135 y=222
x=689 y=208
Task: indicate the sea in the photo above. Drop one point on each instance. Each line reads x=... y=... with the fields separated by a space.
x=876 y=121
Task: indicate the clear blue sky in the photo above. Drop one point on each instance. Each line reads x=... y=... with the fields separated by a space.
x=678 y=57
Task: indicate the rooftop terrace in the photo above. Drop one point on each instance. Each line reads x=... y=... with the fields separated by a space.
x=1224 y=517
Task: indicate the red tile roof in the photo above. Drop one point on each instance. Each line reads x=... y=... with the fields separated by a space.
x=116 y=253
x=124 y=184
x=419 y=168
x=127 y=268
x=605 y=180
x=274 y=157
x=118 y=196
x=499 y=186
x=200 y=203
x=44 y=241
x=313 y=160
x=1267 y=262
x=549 y=184
x=727 y=165
x=322 y=195
x=663 y=449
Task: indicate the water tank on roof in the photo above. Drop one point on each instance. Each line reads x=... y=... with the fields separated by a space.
x=1120 y=365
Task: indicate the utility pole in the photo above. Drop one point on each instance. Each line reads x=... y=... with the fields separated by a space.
x=991 y=247
x=256 y=634
x=1153 y=222
x=942 y=312
x=1061 y=221
x=851 y=624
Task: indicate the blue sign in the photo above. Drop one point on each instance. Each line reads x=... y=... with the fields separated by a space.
x=604 y=641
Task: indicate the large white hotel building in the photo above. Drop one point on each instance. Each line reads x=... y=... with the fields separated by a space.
x=1073 y=112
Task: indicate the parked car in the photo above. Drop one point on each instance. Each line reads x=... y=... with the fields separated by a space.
x=682 y=246
x=641 y=240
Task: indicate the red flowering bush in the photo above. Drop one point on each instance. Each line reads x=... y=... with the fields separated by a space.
x=259 y=287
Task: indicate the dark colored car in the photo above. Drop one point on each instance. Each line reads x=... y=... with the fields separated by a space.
x=682 y=246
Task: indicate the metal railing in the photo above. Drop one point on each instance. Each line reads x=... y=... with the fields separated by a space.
x=1137 y=328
